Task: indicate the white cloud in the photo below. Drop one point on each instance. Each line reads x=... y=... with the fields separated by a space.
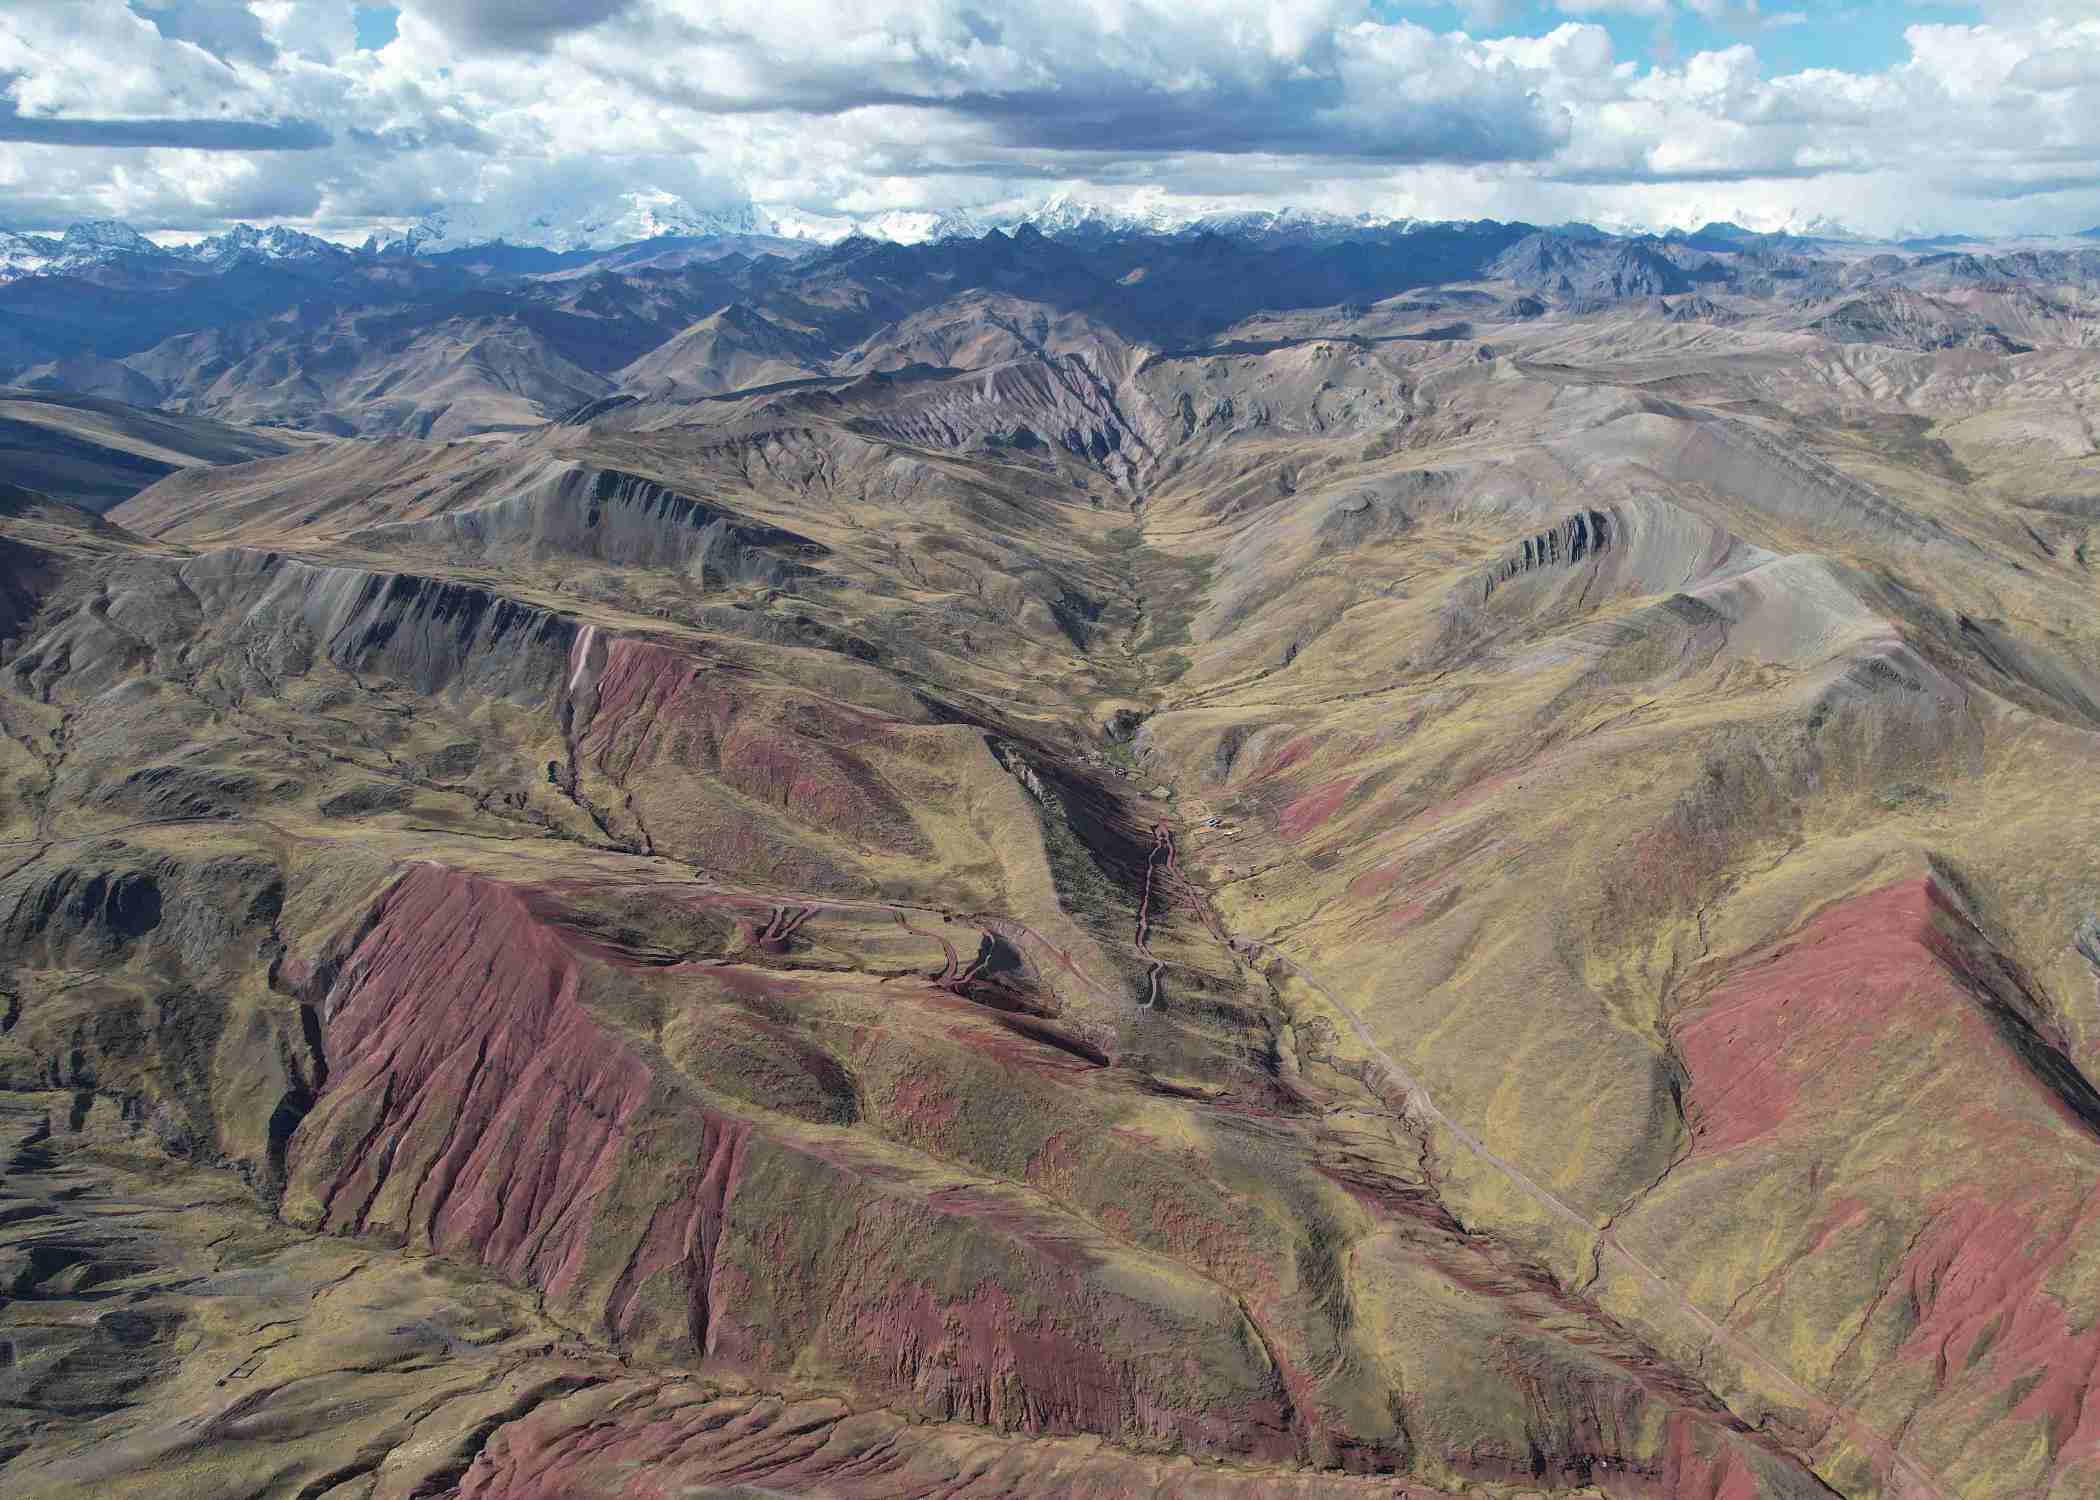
x=186 y=113
x=312 y=29
x=1615 y=7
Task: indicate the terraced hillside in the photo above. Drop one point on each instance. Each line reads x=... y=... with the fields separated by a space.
x=1363 y=908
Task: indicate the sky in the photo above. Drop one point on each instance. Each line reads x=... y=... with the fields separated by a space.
x=1890 y=117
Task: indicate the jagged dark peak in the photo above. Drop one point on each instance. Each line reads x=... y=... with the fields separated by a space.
x=738 y=315
x=278 y=242
x=1590 y=270
x=1875 y=267
x=1720 y=237
x=1905 y=318
x=1972 y=271
x=1698 y=309
x=1780 y=257
x=1541 y=251
x=1964 y=266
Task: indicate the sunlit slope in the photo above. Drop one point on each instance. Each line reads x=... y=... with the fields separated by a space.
x=1507 y=911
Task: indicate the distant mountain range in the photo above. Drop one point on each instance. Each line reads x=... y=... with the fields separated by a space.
x=647 y=214
x=561 y=236
x=458 y=328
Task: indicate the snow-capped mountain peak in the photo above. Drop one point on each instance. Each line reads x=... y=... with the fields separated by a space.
x=650 y=213
x=790 y=223
x=85 y=244
x=1063 y=214
x=1067 y=214
x=24 y=254
x=274 y=243
x=624 y=219
x=911 y=226
x=110 y=235
x=903 y=226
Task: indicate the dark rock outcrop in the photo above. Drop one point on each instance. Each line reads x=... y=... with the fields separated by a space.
x=1584 y=534
x=578 y=511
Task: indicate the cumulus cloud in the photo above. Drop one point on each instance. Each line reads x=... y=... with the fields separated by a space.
x=188 y=113
x=200 y=135
x=519 y=23
x=1614 y=7
x=229 y=31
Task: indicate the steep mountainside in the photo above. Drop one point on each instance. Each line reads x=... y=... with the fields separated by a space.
x=97 y=453
x=1024 y=867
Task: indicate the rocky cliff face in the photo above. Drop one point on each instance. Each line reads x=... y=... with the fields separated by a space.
x=607 y=516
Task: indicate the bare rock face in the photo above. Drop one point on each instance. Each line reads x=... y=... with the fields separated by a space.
x=522 y=1134
x=1477 y=892
x=610 y=517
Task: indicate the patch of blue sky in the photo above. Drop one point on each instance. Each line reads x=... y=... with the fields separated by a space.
x=1852 y=36
x=376 y=25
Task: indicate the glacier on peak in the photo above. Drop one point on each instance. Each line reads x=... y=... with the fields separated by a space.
x=650 y=213
x=586 y=223
x=275 y=243
x=107 y=234
x=624 y=219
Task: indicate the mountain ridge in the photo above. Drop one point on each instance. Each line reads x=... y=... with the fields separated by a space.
x=1442 y=859
x=641 y=216
x=459 y=343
